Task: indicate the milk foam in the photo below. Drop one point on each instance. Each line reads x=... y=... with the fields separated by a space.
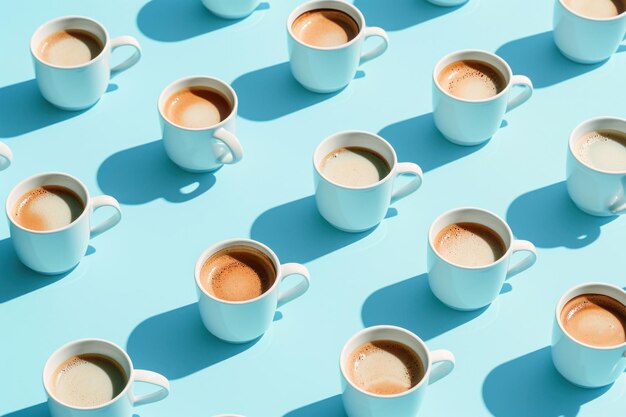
x=354 y=167
x=197 y=107
x=70 y=47
x=603 y=149
x=595 y=319
x=598 y=9
x=325 y=28
x=469 y=244
x=48 y=208
x=471 y=80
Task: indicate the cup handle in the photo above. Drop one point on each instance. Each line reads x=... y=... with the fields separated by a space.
x=380 y=49
x=101 y=201
x=524 y=95
x=527 y=262
x=407 y=168
x=131 y=60
x=232 y=143
x=619 y=207
x=151 y=378
x=6 y=156
x=298 y=290
x=446 y=360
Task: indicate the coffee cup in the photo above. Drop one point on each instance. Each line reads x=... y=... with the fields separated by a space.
x=325 y=42
x=71 y=56
x=50 y=221
x=589 y=334
x=238 y=286
x=468 y=257
x=354 y=175
x=198 y=116
x=231 y=9
x=596 y=166
x=6 y=156
x=589 y=32
x=397 y=386
x=472 y=90
x=109 y=374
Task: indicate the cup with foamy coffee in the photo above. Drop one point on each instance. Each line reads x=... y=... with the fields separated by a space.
x=94 y=378
x=354 y=176
x=71 y=56
x=589 y=334
x=6 y=156
x=385 y=371
x=50 y=221
x=472 y=90
x=589 y=31
x=238 y=286
x=231 y=9
x=596 y=166
x=325 y=42
x=198 y=118
x=468 y=257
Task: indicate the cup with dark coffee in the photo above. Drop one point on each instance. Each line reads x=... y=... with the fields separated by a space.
x=468 y=257
x=589 y=334
x=6 y=156
x=238 y=286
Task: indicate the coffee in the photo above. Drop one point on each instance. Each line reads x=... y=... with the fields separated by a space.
x=67 y=48
x=385 y=367
x=238 y=273
x=197 y=107
x=597 y=9
x=471 y=80
x=325 y=28
x=603 y=149
x=469 y=244
x=354 y=166
x=48 y=207
x=88 y=380
x=595 y=319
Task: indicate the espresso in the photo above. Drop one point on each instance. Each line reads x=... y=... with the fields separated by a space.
x=385 y=367
x=325 y=28
x=603 y=149
x=197 y=107
x=595 y=319
x=471 y=80
x=237 y=274
x=67 y=48
x=88 y=380
x=48 y=207
x=469 y=244
x=597 y=9
x=354 y=166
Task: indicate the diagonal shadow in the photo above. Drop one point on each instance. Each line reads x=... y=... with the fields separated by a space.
x=418 y=140
x=538 y=58
x=39 y=410
x=144 y=173
x=538 y=390
x=328 y=407
x=402 y=14
x=548 y=218
x=176 y=344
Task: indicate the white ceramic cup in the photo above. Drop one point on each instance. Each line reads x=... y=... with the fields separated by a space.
x=584 y=39
x=81 y=86
x=59 y=250
x=231 y=9
x=360 y=403
x=448 y=3
x=470 y=288
x=595 y=191
x=243 y=321
x=329 y=69
x=201 y=149
x=356 y=209
x=582 y=364
x=120 y=406
x=471 y=122
x=6 y=156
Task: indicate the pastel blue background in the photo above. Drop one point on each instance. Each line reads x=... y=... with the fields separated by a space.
x=136 y=285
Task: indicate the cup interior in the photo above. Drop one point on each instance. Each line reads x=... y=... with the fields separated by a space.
x=598 y=123
x=567 y=7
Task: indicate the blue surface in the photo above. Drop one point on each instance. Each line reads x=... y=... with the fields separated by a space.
x=136 y=286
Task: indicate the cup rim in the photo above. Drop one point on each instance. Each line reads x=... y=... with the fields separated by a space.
x=229 y=243
x=573 y=138
x=461 y=52
x=172 y=86
x=69 y=17
x=416 y=338
x=374 y=136
x=567 y=296
x=14 y=190
x=504 y=256
x=312 y=5
x=90 y=340
x=593 y=19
